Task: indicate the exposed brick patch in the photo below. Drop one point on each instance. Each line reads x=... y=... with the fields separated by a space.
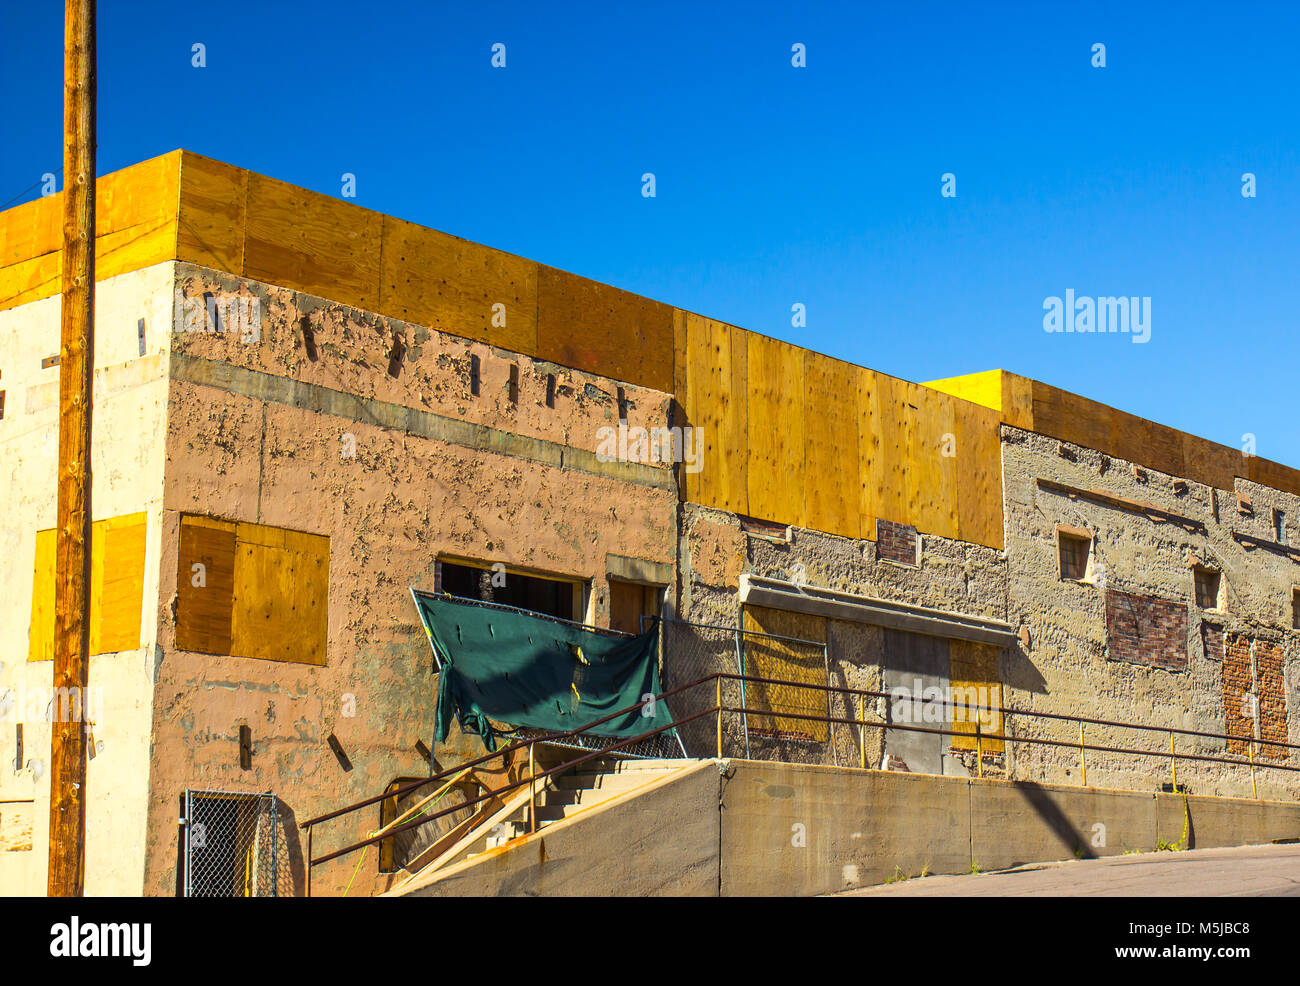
x=1146 y=630
x=1237 y=682
x=1272 y=698
x=896 y=542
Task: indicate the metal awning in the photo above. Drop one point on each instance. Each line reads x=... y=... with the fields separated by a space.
x=757 y=590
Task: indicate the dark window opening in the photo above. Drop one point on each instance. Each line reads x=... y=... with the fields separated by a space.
x=1074 y=551
x=1295 y=608
x=554 y=597
x=1207 y=588
x=1279 y=526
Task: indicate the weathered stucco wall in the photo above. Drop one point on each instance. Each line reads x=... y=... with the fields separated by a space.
x=392 y=490
x=1143 y=554
x=130 y=405
x=715 y=551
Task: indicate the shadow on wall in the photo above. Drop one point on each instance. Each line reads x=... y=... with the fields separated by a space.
x=1071 y=838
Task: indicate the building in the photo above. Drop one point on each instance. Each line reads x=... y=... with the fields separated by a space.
x=304 y=408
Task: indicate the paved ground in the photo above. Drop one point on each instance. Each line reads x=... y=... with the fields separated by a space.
x=1244 y=871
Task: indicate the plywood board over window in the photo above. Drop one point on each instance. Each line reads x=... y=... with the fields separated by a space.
x=116 y=587
x=976 y=692
x=786 y=660
x=250 y=590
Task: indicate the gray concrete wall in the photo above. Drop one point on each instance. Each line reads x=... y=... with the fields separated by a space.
x=744 y=828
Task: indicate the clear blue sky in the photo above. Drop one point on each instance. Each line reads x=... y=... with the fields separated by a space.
x=778 y=185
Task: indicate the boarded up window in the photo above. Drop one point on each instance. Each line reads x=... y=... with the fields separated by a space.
x=629 y=602
x=116 y=587
x=973 y=676
x=249 y=590
x=801 y=660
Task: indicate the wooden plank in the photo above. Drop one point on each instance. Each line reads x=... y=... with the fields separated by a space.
x=452 y=285
x=213 y=201
x=1071 y=418
x=281 y=591
x=1273 y=474
x=1017 y=401
x=930 y=475
x=776 y=431
x=121 y=584
x=718 y=410
x=978 y=466
x=40 y=635
x=830 y=445
x=205 y=595
x=600 y=329
x=311 y=242
x=29 y=280
x=31 y=230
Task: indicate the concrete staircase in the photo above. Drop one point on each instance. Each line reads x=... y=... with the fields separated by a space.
x=560 y=796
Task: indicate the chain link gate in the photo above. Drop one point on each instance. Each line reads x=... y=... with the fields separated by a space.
x=233 y=845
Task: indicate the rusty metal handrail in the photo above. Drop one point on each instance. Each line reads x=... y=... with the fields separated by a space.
x=718 y=709
x=516 y=745
x=1008 y=710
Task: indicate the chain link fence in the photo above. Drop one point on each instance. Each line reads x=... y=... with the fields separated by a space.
x=691 y=650
x=235 y=846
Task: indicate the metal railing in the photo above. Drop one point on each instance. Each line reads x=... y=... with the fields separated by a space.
x=720 y=708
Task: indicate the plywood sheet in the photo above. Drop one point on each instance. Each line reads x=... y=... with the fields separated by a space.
x=716 y=378
x=205 y=595
x=281 y=594
x=213 y=200
x=973 y=674
x=311 y=242
x=600 y=329
x=776 y=430
x=978 y=466
x=450 y=284
x=931 y=473
x=40 y=636
x=121 y=589
x=830 y=473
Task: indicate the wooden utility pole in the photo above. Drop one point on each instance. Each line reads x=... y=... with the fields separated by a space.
x=67 y=869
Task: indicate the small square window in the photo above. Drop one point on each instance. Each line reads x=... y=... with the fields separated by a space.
x=1073 y=551
x=1207 y=588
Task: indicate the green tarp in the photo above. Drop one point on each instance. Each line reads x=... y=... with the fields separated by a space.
x=520 y=669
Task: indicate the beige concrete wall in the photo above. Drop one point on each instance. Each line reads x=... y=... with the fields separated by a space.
x=127 y=463
x=532 y=496
x=1075 y=672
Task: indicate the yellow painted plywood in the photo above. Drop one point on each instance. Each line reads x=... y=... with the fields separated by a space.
x=116 y=588
x=121 y=589
x=40 y=636
x=984 y=388
x=973 y=675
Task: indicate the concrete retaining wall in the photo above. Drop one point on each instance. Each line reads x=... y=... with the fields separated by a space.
x=744 y=828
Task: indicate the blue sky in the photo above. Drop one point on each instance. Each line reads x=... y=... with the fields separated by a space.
x=778 y=185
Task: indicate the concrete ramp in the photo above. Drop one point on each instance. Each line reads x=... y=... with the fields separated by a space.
x=656 y=838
